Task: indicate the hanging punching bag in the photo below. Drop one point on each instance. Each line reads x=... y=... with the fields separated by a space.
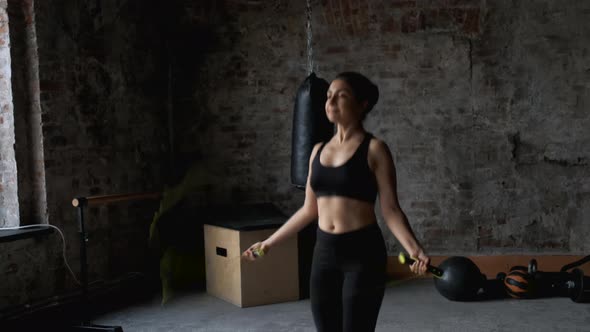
x=310 y=126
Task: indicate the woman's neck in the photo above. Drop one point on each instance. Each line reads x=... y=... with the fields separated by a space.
x=345 y=134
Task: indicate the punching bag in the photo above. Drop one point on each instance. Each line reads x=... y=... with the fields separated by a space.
x=310 y=126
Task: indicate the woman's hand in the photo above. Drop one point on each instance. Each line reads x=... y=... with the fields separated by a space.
x=256 y=250
x=421 y=262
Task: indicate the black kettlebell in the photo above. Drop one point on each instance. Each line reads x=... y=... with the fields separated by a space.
x=457 y=278
x=461 y=279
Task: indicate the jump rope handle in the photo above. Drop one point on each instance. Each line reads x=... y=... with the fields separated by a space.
x=403 y=259
x=257 y=252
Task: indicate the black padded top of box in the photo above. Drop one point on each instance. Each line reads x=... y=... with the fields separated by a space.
x=247 y=217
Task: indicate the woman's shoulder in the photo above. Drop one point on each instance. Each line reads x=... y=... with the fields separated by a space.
x=378 y=149
x=315 y=149
x=376 y=143
x=318 y=145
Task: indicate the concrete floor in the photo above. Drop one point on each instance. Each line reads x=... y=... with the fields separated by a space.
x=411 y=306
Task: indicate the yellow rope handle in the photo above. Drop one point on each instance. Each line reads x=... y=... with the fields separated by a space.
x=258 y=252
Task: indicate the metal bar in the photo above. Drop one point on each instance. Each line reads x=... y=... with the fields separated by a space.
x=83 y=261
x=107 y=199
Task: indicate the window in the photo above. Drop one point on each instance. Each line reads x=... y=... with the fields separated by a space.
x=22 y=189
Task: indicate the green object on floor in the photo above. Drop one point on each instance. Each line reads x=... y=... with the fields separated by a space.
x=175 y=237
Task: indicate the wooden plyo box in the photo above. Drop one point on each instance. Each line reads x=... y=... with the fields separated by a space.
x=272 y=278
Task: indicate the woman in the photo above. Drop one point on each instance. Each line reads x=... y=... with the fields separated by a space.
x=345 y=174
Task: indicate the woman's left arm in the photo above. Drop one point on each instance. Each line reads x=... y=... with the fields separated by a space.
x=381 y=161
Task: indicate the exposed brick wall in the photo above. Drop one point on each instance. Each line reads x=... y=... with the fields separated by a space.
x=103 y=86
x=532 y=161
x=102 y=78
x=9 y=214
x=19 y=100
x=237 y=121
x=27 y=110
x=482 y=103
x=28 y=270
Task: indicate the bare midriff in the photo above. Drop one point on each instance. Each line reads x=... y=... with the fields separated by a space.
x=337 y=214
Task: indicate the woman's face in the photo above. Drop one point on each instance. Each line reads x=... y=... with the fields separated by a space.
x=341 y=105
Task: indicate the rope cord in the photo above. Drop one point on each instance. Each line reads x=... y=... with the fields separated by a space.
x=397 y=282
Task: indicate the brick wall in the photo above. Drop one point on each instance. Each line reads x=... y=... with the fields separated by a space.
x=28 y=136
x=9 y=214
x=102 y=78
x=482 y=103
x=103 y=87
x=532 y=171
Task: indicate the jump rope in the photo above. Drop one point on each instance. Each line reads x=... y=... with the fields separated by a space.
x=402 y=258
x=257 y=252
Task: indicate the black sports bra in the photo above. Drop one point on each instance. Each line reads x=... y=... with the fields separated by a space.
x=353 y=179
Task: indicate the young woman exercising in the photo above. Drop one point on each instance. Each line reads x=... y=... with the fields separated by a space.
x=345 y=175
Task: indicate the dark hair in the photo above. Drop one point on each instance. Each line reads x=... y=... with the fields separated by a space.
x=362 y=88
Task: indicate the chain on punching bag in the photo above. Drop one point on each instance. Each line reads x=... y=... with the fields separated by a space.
x=310 y=124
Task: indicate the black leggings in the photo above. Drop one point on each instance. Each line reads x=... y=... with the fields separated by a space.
x=348 y=280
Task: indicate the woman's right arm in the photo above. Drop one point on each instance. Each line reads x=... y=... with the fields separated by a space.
x=305 y=215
